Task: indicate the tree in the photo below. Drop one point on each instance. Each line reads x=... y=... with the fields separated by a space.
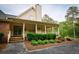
x=46 y=18
x=72 y=13
x=66 y=28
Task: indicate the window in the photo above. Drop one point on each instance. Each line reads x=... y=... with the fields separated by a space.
x=17 y=30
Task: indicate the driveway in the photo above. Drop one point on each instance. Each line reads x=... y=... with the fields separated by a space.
x=19 y=48
x=14 y=48
x=66 y=49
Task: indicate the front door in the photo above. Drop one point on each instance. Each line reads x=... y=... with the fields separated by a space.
x=17 y=31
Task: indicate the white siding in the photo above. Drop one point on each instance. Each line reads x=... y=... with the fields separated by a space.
x=30 y=15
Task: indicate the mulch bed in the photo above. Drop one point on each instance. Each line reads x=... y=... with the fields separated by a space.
x=3 y=46
x=30 y=47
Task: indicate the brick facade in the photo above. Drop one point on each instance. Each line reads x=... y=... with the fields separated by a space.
x=4 y=28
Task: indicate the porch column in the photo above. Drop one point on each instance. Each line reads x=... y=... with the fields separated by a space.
x=45 y=29
x=9 y=35
x=35 y=28
x=52 y=29
x=23 y=31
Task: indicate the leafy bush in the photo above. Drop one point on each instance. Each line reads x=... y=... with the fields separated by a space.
x=41 y=41
x=34 y=36
x=1 y=36
x=50 y=36
x=46 y=41
x=52 y=41
x=30 y=36
x=34 y=42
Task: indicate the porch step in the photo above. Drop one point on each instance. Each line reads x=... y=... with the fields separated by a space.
x=16 y=39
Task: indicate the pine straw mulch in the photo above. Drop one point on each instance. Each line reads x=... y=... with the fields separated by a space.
x=30 y=47
x=3 y=46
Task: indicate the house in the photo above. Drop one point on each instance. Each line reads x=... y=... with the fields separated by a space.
x=15 y=28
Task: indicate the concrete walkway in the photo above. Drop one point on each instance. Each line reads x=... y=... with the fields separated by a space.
x=14 y=48
x=66 y=49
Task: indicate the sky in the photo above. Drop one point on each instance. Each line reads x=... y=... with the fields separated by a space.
x=55 y=11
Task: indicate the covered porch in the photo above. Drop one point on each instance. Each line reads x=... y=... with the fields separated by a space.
x=19 y=28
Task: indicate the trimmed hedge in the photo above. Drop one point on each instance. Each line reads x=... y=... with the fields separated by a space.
x=33 y=36
x=1 y=37
x=30 y=36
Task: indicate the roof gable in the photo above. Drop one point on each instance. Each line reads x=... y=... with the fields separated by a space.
x=32 y=8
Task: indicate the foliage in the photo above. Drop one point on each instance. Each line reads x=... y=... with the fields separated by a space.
x=46 y=18
x=1 y=36
x=72 y=12
x=66 y=27
x=34 y=42
x=30 y=36
x=52 y=41
x=77 y=30
x=46 y=41
x=33 y=36
x=42 y=42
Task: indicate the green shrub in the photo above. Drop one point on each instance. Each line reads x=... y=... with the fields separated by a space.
x=31 y=36
x=51 y=36
x=1 y=36
x=34 y=36
x=52 y=41
x=46 y=41
x=41 y=42
x=34 y=42
x=38 y=36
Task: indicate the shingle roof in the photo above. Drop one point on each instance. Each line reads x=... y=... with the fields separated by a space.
x=4 y=16
x=10 y=16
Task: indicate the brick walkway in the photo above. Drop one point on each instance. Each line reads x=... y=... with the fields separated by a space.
x=14 y=48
